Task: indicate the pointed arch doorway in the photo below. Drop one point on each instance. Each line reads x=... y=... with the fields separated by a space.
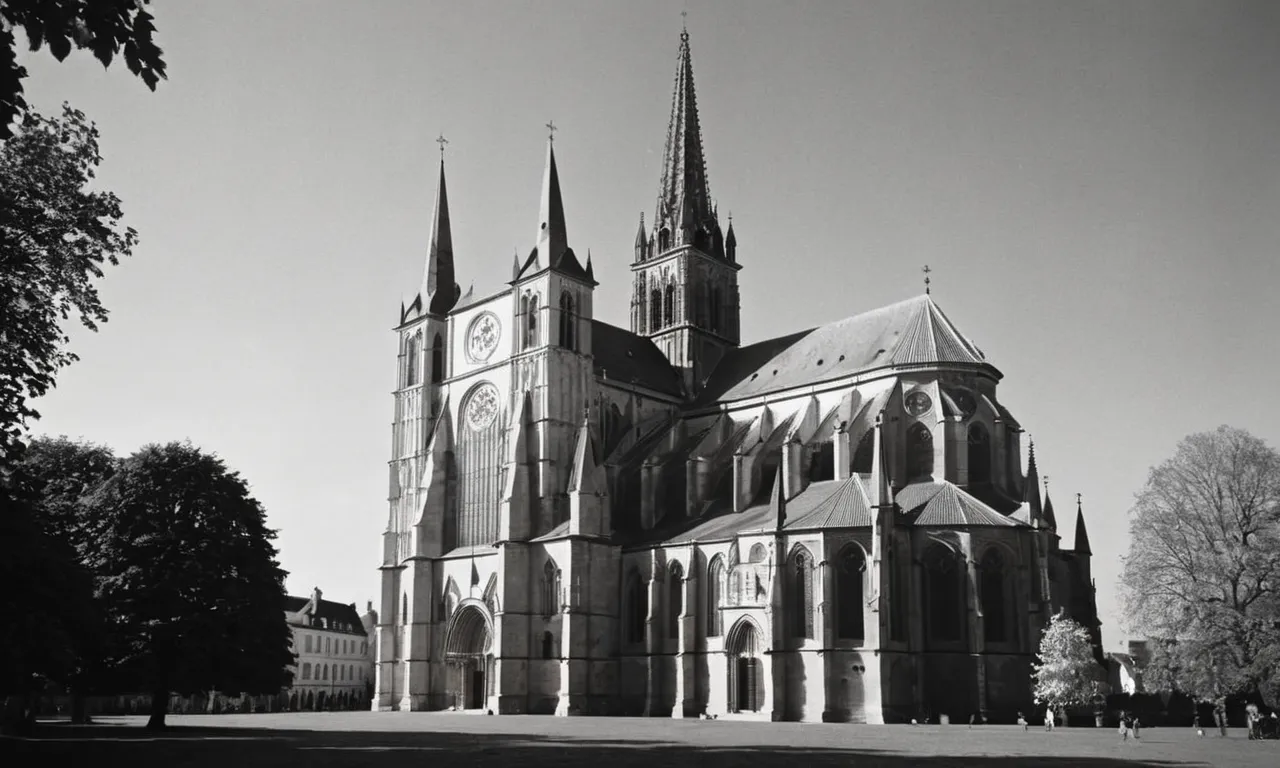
x=745 y=651
x=467 y=657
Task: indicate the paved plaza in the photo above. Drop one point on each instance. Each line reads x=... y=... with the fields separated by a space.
x=418 y=739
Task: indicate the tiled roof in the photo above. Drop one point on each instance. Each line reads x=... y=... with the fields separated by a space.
x=944 y=504
x=830 y=504
x=335 y=614
x=911 y=332
x=623 y=356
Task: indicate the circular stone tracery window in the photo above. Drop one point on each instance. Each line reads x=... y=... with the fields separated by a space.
x=482 y=337
x=482 y=406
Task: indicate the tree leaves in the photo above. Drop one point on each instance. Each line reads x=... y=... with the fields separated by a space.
x=189 y=576
x=1064 y=676
x=1202 y=577
x=105 y=27
x=55 y=235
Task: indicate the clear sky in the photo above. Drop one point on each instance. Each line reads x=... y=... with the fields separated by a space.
x=1096 y=186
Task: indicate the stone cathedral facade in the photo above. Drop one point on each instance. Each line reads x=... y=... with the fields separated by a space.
x=829 y=525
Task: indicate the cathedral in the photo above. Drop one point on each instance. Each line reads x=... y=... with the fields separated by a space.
x=832 y=525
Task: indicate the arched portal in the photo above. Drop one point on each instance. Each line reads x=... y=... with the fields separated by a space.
x=744 y=650
x=466 y=651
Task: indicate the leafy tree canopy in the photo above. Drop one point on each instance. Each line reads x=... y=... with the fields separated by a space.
x=1065 y=674
x=189 y=579
x=1202 y=577
x=55 y=235
x=105 y=27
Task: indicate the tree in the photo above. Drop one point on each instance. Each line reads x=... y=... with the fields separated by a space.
x=188 y=576
x=55 y=235
x=59 y=475
x=1203 y=568
x=47 y=604
x=1065 y=674
x=105 y=27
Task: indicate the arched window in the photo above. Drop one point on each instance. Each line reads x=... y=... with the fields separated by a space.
x=850 y=568
x=801 y=594
x=550 y=589
x=715 y=590
x=411 y=361
x=326 y=672
x=669 y=306
x=568 y=320
x=979 y=455
x=864 y=453
x=437 y=360
x=306 y=670
x=642 y=323
x=530 y=321
x=991 y=579
x=942 y=587
x=655 y=310
x=919 y=452
x=664 y=239
x=548 y=645
x=756 y=554
x=675 y=600
x=637 y=600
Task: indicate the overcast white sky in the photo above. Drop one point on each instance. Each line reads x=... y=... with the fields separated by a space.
x=1096 y=186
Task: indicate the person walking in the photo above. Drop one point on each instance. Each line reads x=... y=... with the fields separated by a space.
x=1048 y=719
x=1124 y=725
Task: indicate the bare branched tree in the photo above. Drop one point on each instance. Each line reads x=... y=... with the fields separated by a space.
x=1202 y=575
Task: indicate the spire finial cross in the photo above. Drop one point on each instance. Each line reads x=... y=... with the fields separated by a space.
x=551 y=131
x=1077 y=501
x=684 y=26
x=926 y=272
x=441 y=140
x=1046 y=483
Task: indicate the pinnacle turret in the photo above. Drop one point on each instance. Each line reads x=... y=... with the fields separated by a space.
x=1082 y=533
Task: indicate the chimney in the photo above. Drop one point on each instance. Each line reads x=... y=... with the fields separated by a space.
x=315 y=595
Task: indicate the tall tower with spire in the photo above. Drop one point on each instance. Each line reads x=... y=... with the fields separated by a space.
x=685 y=294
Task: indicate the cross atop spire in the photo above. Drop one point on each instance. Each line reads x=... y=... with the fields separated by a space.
x=684 y=26
x=551 y=130
x=926 y=272
x=441 y=140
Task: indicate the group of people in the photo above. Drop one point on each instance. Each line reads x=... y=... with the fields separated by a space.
x=1261 y=726
x=1129 y=724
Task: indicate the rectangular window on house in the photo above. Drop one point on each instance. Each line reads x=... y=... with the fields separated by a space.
x=327 y=646
x=308 y=643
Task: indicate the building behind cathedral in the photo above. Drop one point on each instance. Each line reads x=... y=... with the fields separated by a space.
x=584 y=519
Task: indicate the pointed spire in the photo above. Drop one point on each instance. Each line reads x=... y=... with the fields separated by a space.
x=1050 y=520
x=640 y=237
x=591 y=272
x=585 y=473
x=439 y=292
x=553 y=238
x=515 y=264
x=1082 y=533
x=684 y=200
x=1032 y=494
x=778 y=499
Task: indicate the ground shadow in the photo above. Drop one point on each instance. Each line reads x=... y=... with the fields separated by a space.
x=255 y=747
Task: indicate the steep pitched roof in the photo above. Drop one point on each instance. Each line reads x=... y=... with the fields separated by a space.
x=830 y=504
x=621 y=355
x=908 y=333
x=1082 y=533
x=332 y=614
x=944 y=504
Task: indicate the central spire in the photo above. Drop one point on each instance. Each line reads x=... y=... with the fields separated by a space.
x=684 y=202
x=553 y=240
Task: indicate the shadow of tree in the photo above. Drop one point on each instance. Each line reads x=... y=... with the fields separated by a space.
x=253 y=747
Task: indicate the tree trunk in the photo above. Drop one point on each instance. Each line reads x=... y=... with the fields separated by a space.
x=79 y=708
x=159 y=708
